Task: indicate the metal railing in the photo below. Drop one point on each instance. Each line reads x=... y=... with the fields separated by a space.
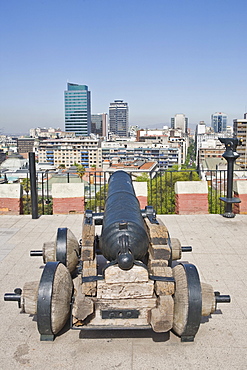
x=160 y=184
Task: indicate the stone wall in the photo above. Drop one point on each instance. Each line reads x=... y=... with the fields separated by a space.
x=191 y=197
x=141 y=190
x=68 y=198
x=240 y=191
x=11 y=199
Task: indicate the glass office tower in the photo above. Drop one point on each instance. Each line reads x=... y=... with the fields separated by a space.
x=99 y=124
x=77 y=109
x=119 y=118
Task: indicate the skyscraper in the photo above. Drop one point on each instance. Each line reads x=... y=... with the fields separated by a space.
x=219 y=121
x=99 y=124
x=119 y=118
x=180 y=122
x=77 y=109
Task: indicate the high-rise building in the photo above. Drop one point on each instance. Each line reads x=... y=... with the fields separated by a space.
x=77 y=109
x=240 y=131
x=119 y=118
x=179 y=121
x=99 y=124
x=219 y=121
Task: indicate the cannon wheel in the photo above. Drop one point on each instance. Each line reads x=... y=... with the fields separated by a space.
x=187 y=301
x=67 y=248
x=54 y=298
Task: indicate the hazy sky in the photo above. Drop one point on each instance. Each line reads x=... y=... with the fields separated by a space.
x=162 y=57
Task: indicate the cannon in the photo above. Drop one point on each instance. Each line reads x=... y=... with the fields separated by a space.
x=127 y=277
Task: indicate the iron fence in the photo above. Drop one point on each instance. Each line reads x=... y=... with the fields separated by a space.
x=160 y=185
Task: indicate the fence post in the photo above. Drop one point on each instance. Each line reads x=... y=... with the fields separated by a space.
x=230 y=155
x=34 y=198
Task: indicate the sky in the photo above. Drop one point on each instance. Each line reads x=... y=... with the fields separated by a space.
x=161 y=56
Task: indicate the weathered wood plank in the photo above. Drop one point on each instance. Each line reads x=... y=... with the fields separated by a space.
x=161 y=317
x=156 y=263
x=158 y=232
x=87 y=242
x=83 y=306
x=136 y=274
x=160 y=252
x=163 y=287
x=176 y=249
x=143 y=305
x=49 y=252
x=121 y=290
x=131 y=303
x=89 y=268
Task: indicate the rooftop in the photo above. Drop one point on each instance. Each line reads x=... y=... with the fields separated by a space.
x=219 y=253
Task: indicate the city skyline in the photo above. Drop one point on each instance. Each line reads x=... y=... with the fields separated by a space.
x=162 y=57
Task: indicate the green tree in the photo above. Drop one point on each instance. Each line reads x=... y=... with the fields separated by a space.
x=26 y=185
x=161 y=192
x=98 y=203
x=215 y=205
x=80 y=170
x=191 y=155
x=144 y=177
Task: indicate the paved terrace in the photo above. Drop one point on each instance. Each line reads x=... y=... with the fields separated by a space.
x=219 y=252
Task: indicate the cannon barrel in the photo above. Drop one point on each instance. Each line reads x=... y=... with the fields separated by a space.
x=124 y=237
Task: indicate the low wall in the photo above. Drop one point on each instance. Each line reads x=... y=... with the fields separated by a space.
x=11 y=199
x=141 y=190
x=191 y=197
x=240 y=191
x=68 y=198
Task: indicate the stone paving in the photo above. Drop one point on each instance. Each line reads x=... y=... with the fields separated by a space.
x=219 y=253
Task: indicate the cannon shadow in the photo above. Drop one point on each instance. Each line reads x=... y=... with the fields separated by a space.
x=121 y=334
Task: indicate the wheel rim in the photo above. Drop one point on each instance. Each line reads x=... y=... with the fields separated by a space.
x=50 y=300
x=187 y=301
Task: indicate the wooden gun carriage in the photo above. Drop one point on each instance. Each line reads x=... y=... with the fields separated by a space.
x=128 y=277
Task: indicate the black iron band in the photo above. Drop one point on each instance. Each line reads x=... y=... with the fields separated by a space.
x=61 y=251
x=45 y=298
x=194 y=302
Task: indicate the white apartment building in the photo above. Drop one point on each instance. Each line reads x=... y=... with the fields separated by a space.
x=166 y=137
x=166 y=155
x=85 y=151
x=51 y=133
